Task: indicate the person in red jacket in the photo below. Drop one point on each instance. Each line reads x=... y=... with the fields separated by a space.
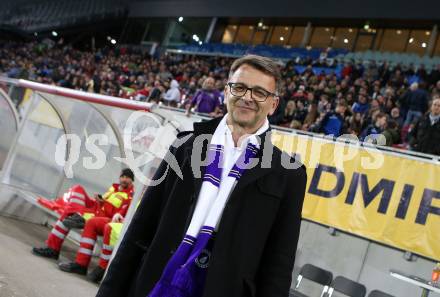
x=94 y=227
x=79 y=208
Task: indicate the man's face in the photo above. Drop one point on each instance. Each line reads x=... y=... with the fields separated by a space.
x=340 y=108
x=125 y=181
x=435 y=108
x=381 y=121
x=208 y=84
x=245 y=111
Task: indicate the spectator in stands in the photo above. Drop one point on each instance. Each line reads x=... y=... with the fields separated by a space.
x=334 y=121
x=156 y=92
x=288 y=113
x=355 y=124
x=436 y=89
x=323 y=102
x=312 y=115
x=142 y=94
x=362 y=106
x=277 y=117
x=207 y=100
x=300 y=112
x=395 y=115
x=300 y=94
x=172 y=96
x=415 y=101
x=164 y=74
x=375 y=129
x=425 y=137
x=391 y=132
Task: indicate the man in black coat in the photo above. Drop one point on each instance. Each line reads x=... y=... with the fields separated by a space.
x=425 y=137
x=255 y=244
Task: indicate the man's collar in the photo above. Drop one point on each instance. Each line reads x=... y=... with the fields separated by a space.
x=208 y=127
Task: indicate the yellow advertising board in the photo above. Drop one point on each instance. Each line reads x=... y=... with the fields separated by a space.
x=378 y=195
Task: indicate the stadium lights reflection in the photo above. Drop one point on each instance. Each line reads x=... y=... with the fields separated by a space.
x=54 y=34
x=345 y=40
x=180 y=19
x=424 y=44
x=411 y=40
x=113 y=41
x=282 y=38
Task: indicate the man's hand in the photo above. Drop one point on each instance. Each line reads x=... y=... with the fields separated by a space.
x=117 y=218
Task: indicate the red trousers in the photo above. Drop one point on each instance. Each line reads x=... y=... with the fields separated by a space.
x=107 y=249
x=76 y=200
x=95 y=227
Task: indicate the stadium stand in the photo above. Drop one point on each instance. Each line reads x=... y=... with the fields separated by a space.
x=314 y=88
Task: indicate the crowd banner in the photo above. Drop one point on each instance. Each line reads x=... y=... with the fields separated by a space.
x=382 y=196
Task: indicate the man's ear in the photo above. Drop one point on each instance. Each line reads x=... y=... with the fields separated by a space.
x=274 y=105
x=226 y=94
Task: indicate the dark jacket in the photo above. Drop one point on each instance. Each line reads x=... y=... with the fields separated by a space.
x=416 y=100
x=425 y=137
x=255 y=246
x=371 y=131
x=333 y=123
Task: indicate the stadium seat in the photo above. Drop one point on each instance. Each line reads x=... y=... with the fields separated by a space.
x=377 y=293
x=314 y=274
x=348 y=287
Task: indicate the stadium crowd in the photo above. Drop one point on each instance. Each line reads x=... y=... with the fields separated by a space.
x=400 y=103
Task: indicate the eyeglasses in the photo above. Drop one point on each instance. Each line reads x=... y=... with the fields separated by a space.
x=257 y=93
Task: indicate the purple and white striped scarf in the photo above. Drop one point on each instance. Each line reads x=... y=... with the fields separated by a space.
x=185 y=273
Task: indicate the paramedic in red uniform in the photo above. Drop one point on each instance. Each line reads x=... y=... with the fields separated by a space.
x=80 y=208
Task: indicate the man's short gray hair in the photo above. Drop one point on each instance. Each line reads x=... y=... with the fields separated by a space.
x=263 y=64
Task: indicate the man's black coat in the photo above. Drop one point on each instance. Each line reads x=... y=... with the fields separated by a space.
x=426 y=137
x=255 y=246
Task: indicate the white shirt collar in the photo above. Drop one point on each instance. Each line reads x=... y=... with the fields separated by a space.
x=251 y=137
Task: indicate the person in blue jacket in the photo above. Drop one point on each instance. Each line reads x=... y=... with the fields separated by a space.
x=361 y=106
x=333 y=122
